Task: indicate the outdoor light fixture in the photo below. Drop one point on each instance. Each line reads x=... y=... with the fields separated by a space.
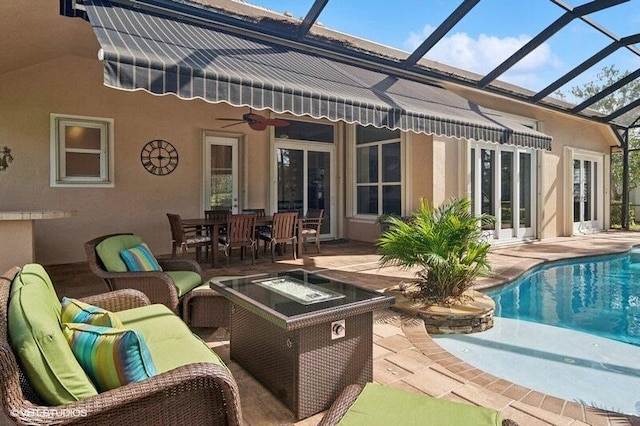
x=5 y=158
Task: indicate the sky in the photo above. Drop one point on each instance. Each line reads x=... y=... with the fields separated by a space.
x=487 y=35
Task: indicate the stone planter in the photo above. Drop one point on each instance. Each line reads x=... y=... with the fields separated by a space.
x=462 y=318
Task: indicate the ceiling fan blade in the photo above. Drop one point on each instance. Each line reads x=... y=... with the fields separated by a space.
x=230 y=119
x=258 y=125
x=233 y=124
x=253 y=118
x=276 y=122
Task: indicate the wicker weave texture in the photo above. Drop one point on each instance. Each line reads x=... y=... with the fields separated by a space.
x=304 y=368
x=158 y=286
x=205 y=308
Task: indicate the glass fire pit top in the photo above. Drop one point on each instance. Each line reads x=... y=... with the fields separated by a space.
x=295 y=292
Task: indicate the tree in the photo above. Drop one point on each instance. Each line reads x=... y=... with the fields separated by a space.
x=628 y=93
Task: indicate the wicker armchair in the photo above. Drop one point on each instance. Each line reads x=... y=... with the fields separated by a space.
x=194 y=394
x=158 y=286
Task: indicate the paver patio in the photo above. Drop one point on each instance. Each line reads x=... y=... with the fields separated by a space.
x=404 y=355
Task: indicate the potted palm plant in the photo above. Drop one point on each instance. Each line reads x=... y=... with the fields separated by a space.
x=447 y=246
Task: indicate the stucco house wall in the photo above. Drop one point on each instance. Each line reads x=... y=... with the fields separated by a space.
x=139 y=201
x=67 y=79
x=554 y=177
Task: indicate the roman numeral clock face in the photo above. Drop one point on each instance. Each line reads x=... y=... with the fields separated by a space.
x=159 y=157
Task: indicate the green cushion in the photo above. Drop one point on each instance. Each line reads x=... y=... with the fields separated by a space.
x=168 y=338
x=109 y=251
x=112 y=357
x=381 y=405
x=33 y=272
x=185 y=281
x=38 y=342
x=139 y=258
x=79 y=312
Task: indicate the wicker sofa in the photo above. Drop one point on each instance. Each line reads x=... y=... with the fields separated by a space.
x=193 y=386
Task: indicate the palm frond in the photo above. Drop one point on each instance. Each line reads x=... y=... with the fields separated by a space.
x=446 y=243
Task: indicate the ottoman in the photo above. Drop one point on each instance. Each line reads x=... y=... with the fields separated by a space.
x=205 y=307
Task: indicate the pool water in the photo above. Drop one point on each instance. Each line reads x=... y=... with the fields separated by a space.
x=597 y=295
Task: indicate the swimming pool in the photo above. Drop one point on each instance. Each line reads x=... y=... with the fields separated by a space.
x=599 y=295
x=569 y=329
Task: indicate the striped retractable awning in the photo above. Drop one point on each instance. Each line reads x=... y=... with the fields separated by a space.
x=164 y=53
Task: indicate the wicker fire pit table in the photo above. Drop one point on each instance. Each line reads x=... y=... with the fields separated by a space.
x=304 y=336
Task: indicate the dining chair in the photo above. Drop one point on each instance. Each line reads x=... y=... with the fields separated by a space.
x=257 y=212
x=187 y=238
x=259 y=228
x=282 y=231
x=240 y=232
x=219 y=214
x=311 y=224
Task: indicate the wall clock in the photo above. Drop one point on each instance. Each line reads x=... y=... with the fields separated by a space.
x=159 y=157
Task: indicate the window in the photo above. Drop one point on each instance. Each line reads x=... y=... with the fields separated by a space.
x=378 y=171
x=305 y=131
x=81 y=151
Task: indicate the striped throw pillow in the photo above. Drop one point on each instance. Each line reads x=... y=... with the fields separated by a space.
x=139 y=258
x=76 y=311
x=111 y=357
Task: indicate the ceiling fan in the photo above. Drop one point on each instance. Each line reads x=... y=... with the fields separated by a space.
x=256 y=121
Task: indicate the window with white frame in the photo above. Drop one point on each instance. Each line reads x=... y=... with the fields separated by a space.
x=81 y=151
x=378 y=171
x=503 y=185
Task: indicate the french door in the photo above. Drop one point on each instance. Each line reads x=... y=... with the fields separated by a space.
x=503 y=186
x=304 y=181
x=587 y=194
x=220 y=173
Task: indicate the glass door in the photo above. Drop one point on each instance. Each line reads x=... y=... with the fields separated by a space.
x=587 y=199
x=503 y=186
x=221 y=173
x=304 y=180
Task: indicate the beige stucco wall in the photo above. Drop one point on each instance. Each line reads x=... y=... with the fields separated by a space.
x=567 y=131
x=139 y=201
x=67 y=79
x=17 y=243
x=420 y=161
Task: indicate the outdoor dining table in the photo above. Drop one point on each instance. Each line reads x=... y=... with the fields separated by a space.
x=214 y=227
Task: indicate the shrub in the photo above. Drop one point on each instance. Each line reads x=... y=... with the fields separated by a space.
x=446 y=243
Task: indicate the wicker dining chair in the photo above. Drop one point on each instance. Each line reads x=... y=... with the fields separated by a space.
x=240 y=232
x=187 y=238
x=282 y=231
x=311 y=224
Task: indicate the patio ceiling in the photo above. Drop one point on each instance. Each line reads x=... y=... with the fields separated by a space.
x=302 y=33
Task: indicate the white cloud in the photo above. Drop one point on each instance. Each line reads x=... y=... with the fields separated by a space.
x=486 y=52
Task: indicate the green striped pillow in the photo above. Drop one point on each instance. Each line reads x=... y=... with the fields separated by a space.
x=139 y=258
x=111 y=357
x=79 y=312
